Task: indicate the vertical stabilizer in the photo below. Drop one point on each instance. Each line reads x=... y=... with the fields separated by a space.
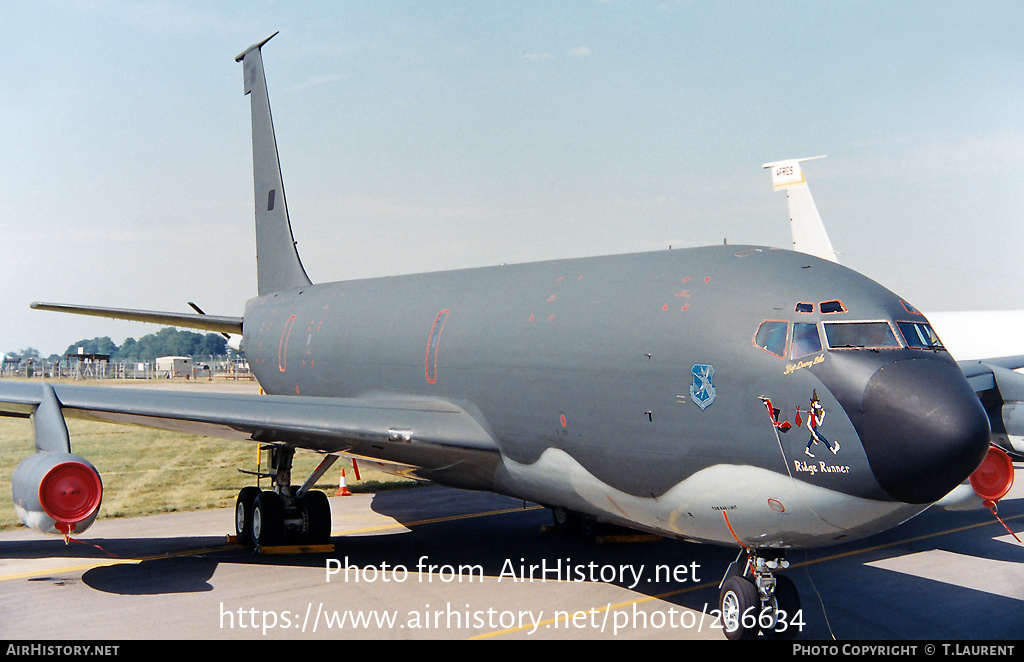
x=277 y=261
x=808 y=231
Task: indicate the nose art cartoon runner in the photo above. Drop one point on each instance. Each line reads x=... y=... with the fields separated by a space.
x=815 y=419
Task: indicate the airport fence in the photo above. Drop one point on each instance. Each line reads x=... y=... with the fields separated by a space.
x=99 y=370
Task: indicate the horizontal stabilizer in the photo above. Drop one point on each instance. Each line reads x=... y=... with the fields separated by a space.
x=216 y=323
x=787 y=174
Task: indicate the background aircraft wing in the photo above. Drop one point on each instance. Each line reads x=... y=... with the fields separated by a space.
x=412 y=431
x=981 y=373
x=1001 y=391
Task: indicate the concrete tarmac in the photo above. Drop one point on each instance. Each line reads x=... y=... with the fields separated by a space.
x=439 y=563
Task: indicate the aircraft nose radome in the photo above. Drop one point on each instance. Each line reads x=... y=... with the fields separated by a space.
x=924 y=430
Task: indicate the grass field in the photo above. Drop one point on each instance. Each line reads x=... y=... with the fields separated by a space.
x=147 y=471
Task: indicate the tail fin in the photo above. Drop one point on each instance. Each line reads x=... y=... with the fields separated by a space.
x=808 y=231
x=278 y=264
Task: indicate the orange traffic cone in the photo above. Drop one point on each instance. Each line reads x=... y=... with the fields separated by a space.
x=343 y=487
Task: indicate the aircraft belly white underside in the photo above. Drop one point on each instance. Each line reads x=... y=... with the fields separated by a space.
x=772 y=510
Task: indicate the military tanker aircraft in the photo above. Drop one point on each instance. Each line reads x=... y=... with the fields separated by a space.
x=760 y=399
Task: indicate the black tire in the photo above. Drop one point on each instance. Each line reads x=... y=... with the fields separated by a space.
x=737 y=599
x=243 y=514
x=786 y=599
x=318 y=517
x=268 y=519
x=587 y=527
x=565 y=519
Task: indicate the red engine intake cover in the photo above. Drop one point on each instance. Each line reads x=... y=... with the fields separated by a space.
x=70 y=493
x=994 y=478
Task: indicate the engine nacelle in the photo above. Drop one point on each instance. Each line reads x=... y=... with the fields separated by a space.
x=994 y=478
x=56 y=492
x=989 y=483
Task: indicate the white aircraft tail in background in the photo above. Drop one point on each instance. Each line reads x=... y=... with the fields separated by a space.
x=809 y=234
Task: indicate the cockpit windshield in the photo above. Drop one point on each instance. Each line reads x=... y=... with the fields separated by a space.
x=920 y=335
x=805 y=340
x=802 y=338
x=860 y=335
x=771 y=336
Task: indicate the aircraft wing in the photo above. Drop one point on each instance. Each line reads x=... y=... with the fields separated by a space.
x=982 y=373
x=1001 y=391
x=421 y=432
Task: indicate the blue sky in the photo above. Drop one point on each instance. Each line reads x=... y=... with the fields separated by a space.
x=426 y=135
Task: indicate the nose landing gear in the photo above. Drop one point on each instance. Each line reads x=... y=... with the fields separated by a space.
x=755 y=601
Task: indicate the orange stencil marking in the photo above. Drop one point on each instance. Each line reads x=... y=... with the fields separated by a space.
x=282 y=347
x=430 y=363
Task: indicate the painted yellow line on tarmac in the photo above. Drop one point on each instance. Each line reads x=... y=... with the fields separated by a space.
x=597 y=610
x=100 y=563
x=689 y=589
x=434 y=520
x=904 y=541
x=74 y=568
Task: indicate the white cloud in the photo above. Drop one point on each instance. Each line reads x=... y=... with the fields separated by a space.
x=579 y=51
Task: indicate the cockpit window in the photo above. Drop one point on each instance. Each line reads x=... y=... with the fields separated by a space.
x=805 y=339
x=832 y=307
x=771 y=337
x=860 y=335
x=918 y=334
x=803 y=307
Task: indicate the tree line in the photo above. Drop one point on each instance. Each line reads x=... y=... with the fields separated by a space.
x=166 y=342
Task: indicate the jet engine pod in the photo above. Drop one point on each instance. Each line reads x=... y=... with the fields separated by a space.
x=56 y=492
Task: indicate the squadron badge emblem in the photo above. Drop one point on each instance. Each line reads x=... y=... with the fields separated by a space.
x=702 y=391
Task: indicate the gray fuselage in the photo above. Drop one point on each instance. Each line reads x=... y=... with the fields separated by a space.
x=591 y=376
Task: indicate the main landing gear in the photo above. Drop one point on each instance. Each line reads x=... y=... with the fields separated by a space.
x=288 y=514
x=570 y=521
x=755 y=600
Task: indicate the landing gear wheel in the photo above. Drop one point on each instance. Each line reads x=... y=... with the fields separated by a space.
x=268 y=519
x=587 y=527
x=786 y=602
x=243 y=514
x=739 y=605
x=317 y=511
x=565 y=519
